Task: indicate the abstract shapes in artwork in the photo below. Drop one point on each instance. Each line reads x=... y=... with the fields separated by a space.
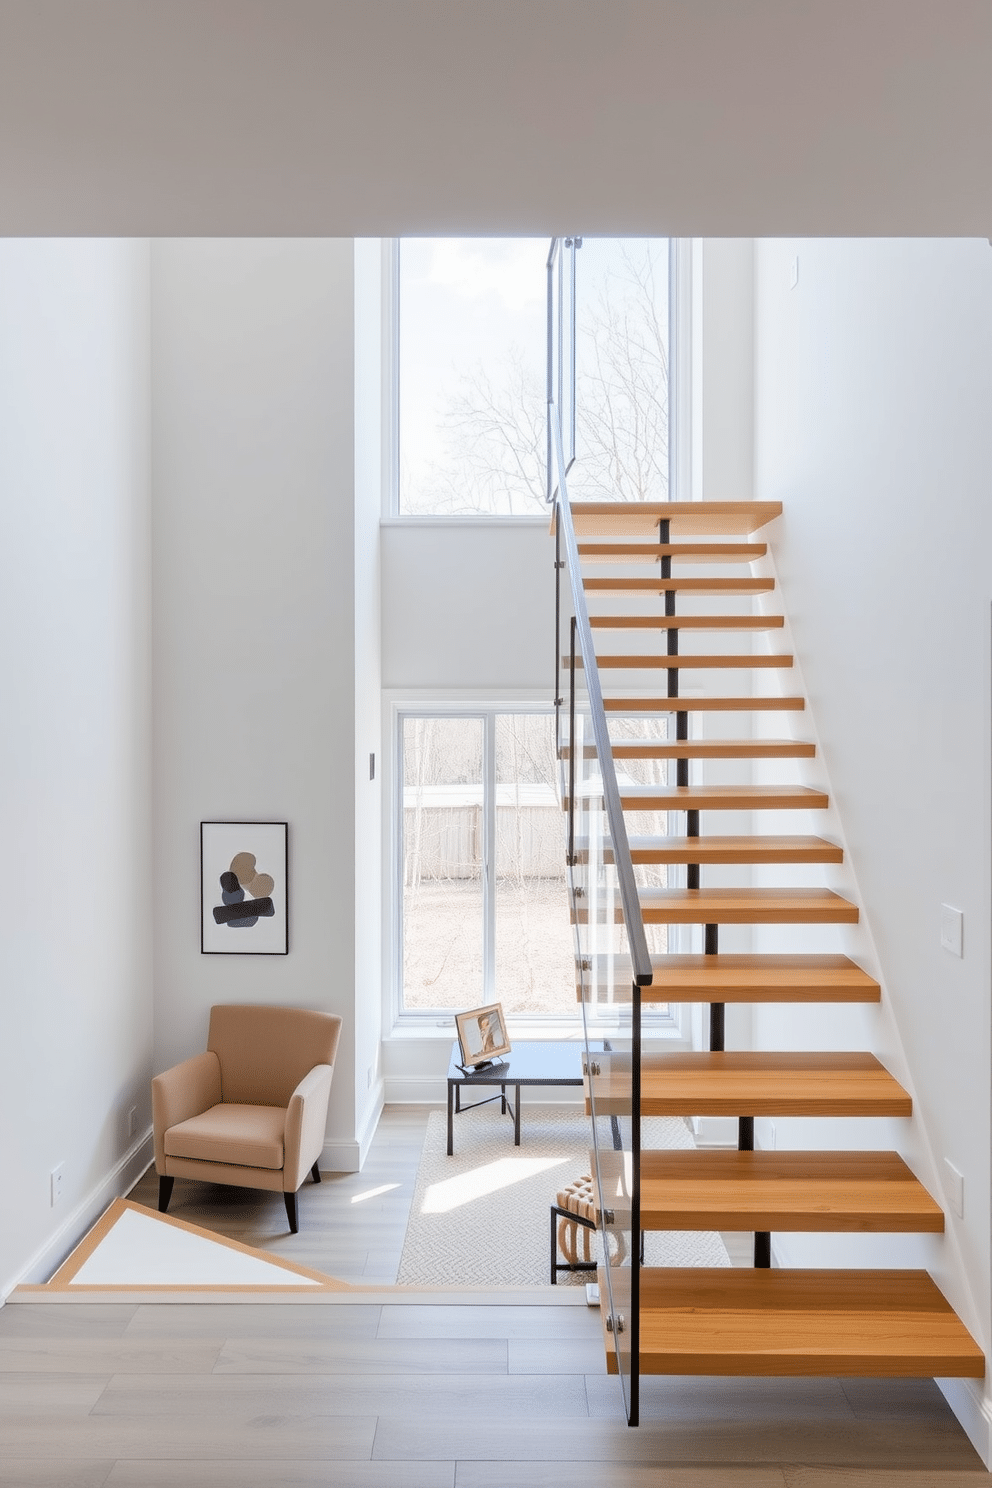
x=236 y=911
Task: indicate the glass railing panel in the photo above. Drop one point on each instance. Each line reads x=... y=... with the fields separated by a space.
x=611 y=1014
x=611 y=949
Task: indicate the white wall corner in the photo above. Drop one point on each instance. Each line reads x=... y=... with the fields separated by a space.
x=116 y=1184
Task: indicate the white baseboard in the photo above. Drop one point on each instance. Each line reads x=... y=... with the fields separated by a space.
x=371 y=1122
x=115 y=1185
x=341 y=1157
x=974 y=1411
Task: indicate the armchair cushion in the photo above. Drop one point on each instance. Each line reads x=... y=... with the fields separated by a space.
x=186 y=1090
x=248 y=1136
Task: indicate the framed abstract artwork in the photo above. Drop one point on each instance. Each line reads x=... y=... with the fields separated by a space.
x=243 y=889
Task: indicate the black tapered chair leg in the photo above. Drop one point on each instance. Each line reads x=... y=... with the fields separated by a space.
x=292 y=1211
x=164 y=1193
x=315 y=1172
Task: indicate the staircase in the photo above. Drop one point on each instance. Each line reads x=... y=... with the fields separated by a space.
x=627 y=561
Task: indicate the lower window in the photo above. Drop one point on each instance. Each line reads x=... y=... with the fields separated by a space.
x=484 y=903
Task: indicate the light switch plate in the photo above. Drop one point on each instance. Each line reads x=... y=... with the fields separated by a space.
x=794 y=273
x=952 y=930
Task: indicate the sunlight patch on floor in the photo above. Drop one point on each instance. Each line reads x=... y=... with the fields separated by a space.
x=440 y=1198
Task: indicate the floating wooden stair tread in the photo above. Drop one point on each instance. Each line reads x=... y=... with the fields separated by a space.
x=711 y=660
x=792 y=1191
x=702 y=749
x=634 y=705
x=765 y=1083
x=746 y=907
x=731 y=1320
x=722 y=798
x=725 y=978
x=685 y=518
x=710 y=749
x=691 y=552
x=659 y=585
x=763 y=849
x=686 y=622
x=737 y=978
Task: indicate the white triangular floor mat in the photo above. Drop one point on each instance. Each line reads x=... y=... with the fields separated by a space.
x=130 y=1246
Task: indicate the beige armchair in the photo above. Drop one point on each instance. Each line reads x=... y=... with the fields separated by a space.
x=252 y=1110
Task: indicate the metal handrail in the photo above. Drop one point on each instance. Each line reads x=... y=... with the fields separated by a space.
x=622 y=861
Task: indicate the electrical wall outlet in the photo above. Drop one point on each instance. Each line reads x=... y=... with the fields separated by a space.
x=132 y=1122
x=57 y=1175
x=954 y=1188
x=952 y=930
x=794 y=272
x=371 y=1075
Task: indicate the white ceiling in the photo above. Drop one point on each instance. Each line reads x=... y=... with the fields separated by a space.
x=353 y=117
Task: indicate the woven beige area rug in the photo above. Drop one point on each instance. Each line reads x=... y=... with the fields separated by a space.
x=482 y=1217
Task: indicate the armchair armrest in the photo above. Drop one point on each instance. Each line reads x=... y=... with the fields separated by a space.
x=186 y=1090
x=306 y=1123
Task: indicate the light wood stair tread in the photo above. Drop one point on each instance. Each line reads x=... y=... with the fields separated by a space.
x=746 y=907
x=808 y=1191
x=623 y=585
x=687 y=622
x=702 y=749
x=710 y=749
x=714 y=849
x=634 y=705
x=687 y=663
x=739 y=978
x=761 y=1083
x=685 y=518
x=760 y=978
x=731 y=1320
x=722 y=797
x=653 y=552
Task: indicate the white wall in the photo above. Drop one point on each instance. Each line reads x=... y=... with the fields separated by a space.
x=468 y=604
x=873 y=385
x=255 y=618
x=75 y=947
x=373 y=376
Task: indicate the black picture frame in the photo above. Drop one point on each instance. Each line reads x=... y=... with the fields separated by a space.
x=244 y=864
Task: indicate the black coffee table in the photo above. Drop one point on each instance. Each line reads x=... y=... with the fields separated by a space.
x=533 y=1063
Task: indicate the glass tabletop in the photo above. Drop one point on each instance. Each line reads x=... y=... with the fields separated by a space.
x=536 y=1062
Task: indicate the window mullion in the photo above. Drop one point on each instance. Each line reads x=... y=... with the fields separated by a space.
x=489 y=856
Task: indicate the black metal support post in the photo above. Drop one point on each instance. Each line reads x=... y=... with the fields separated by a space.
x=717 y=1009
x=692 y=830
x=745 y=1134
x=762 y=1250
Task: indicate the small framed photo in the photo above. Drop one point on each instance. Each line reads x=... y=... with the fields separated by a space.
x=482 y=1034
x=243 y=889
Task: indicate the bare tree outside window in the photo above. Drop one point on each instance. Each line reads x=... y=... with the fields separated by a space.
x=473 y=431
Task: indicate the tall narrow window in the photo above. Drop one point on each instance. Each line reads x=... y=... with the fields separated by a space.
x=472 y=353
x=472 y=332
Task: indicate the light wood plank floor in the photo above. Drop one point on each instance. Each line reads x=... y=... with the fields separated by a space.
x=381 y=1394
